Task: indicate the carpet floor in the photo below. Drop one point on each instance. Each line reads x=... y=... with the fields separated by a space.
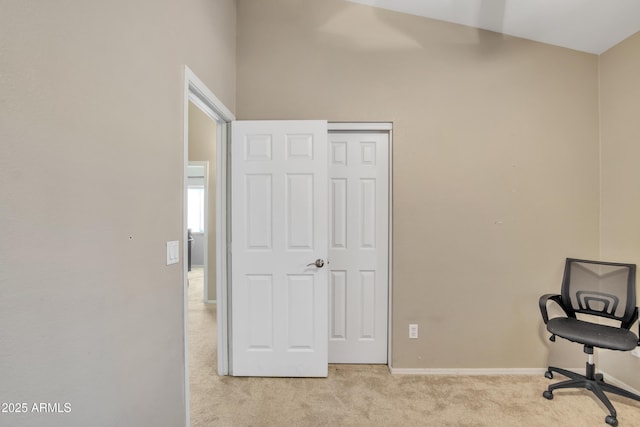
x=368 y=395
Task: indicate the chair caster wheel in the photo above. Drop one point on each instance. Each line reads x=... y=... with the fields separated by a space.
x=548 y=395
x=612 y=421
x=549 y=375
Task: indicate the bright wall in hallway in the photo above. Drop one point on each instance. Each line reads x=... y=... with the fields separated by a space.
x=202 y=147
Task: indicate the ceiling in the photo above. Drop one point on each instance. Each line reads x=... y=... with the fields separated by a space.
x=586 y=25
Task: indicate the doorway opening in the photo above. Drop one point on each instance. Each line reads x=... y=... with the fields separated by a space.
x=200 y=102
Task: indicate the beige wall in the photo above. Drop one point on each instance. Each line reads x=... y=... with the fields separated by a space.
x=202 y=147
x=620 y=209
x=91 y=183
x=495 y=162
x=495 y=180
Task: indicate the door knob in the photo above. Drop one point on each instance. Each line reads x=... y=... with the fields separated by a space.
x=318 y=263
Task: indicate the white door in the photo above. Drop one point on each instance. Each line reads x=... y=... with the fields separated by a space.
x=279 y=226
x=358 y=247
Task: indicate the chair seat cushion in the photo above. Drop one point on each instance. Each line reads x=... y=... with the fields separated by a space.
x=601 y=336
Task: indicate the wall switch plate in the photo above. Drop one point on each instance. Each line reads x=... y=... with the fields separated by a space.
x=413 y=331
x=173 y=252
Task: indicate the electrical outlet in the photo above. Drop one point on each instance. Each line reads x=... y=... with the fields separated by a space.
x=413 y=331
x=636 y=352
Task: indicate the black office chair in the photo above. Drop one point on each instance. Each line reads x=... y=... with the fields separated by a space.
x=600 y=289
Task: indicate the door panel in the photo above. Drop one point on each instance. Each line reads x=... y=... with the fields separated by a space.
x=258 y=205
x=338 y=303
x=338 y=213
x=299 y=201
x=301 y=314
x=260 y=300
x=279 y=304
x=358 y=246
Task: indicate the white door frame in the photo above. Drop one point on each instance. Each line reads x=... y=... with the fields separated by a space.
x=197 y=92
x=388 y=128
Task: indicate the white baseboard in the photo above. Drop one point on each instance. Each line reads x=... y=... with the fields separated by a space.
x=614 y=381
x=468 y=371
x=501 y=371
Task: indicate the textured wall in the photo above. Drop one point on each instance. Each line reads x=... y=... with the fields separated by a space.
x=620 y=133
x=495 y=162
x=91 y=183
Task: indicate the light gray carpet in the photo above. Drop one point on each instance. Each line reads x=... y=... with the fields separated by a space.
x=367 y=395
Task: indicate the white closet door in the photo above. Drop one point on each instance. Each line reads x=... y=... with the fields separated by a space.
x=279 y=226
x=358 y=246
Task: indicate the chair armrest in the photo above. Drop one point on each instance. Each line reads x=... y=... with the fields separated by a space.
x=543 y=305
x=634 y=319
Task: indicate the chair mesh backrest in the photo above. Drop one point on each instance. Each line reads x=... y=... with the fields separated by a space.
x=600 y=288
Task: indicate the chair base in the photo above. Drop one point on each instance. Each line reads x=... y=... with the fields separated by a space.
x=591 y=381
